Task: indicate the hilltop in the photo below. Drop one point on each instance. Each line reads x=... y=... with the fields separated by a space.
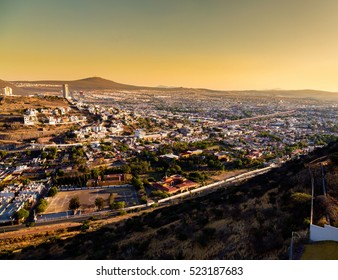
x=253 y=220
x=87 y=84
x=100 y=83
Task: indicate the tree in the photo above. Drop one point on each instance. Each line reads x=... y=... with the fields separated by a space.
x=99 y=203
x=22 y=214
x=60 y=172
x=42 y=206
x=137 y=183
x=25 y=181
x=44 y=155
x=3 y=154
x=74 y=203
x=238 y=163
x=52 y=191
x=120 y=205
x=95 y=173
x=111 y=198
x=85 y=225
x=52 y=152
x=143 y=199
x=159 y=193
x=111 y=201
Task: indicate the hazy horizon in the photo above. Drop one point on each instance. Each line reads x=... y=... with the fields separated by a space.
x=173 y=86
x=220 y=45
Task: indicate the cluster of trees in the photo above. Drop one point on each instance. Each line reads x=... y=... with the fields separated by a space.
x=79 y=180
x=49 y=153
x=299 y=145
x=197 y=176
x=77 y=155
x=243 y=162
x=145 y=123
x=140 y=166
x=323 y=139
x=159 y=194
x=139 y=186
x=198 y=162
x=269 y=135
x=106 y=147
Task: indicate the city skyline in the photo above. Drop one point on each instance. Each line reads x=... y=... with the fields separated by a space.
x=203 y=44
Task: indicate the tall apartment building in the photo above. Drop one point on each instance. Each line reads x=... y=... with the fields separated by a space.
x=65 y=91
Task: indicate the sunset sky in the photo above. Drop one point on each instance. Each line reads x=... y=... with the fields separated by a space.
x=219 y=44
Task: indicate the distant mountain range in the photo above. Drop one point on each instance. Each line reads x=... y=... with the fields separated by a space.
x=97 y=83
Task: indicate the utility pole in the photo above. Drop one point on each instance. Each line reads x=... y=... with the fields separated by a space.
x=312 y=195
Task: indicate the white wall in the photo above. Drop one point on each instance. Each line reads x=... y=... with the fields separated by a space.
x=323 y=233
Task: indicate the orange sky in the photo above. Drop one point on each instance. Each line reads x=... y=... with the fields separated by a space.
x=217 y=44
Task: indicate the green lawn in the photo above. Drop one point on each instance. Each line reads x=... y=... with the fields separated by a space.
x=327 y=250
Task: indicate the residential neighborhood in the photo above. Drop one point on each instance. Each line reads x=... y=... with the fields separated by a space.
x=156 y=145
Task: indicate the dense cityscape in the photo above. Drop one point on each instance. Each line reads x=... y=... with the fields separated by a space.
x=144 y=146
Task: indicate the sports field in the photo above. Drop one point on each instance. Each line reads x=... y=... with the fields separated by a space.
x=60 y=202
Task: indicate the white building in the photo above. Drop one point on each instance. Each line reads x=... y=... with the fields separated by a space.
x=32 y=112
x=27 y=120
x=52 y=120
x=73 y=118
x=99 y=128
x=116 y=129
x=7 y=91
x=63 y=111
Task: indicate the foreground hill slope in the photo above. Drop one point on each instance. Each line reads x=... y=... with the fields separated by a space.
x=250 y=221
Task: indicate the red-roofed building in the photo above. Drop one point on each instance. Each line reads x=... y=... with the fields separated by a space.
x=174 y=184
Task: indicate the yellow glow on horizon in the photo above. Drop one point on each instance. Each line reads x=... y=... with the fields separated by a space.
x=213 y=44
